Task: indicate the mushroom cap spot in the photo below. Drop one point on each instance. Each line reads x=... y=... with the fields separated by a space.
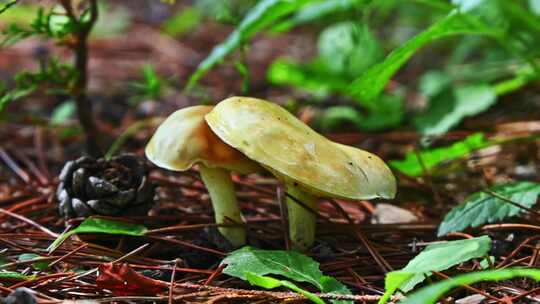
x=273 y=137
x=184 y=139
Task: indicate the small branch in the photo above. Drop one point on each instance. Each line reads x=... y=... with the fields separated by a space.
x=511 y=202
x=8 y=5
x=79 y=88
x=29 y=222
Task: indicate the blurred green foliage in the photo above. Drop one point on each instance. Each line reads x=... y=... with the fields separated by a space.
x=182 y=22
x=483 y=49
x=52 y=75
x=150 y=86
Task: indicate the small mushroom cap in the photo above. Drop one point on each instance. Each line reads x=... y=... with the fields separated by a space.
x=184 y=139
x=273 y=137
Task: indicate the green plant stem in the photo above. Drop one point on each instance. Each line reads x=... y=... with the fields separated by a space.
x=8 y=5
x=513 y=84
x=221 y=189
x=301 y=220
x=130 y=132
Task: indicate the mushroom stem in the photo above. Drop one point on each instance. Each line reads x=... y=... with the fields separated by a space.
x=301 y=220
x=221 y=189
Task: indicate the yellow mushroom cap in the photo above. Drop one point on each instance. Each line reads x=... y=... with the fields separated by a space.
x=184 y=139
x=273 y=137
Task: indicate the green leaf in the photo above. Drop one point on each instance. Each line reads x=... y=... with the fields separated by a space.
x=392 y=281
x=19 y=13
x=38 y=265
x=486 y=263
x=63 y=112
x=15 y=95
x=150 y=86
x=312 y=77
x=534 y=7
x=265 y=13
x=412 y=166
x=434 y=82
x=182 y=22
x=349 y=48
x=447 y=110
x=430 y=294
x=289 y=264
x=8 y=276
x=482 y=208
x=99 y=225
x=389 y=113
x=436 y=257
x=368 y=86
x=225 y=11
x=318 y=10
x=271 y=283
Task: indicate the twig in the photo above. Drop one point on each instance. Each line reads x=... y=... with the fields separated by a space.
x=427 y=175
x=8 y=5
x=510 y=226
x=29 y=222
x=13 y=166
x=511 y=202
x=79 y=88
x=122 y=258
x=381 y=262
x=171 y=287
x=68 y=255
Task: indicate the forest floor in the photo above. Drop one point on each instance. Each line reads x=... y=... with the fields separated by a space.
x=352 y=245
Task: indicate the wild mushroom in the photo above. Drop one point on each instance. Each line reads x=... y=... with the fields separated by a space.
x=183 y=140
x=309 y=165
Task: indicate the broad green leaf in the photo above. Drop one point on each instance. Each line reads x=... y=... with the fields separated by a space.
x=412 y=166
x=99 y=225
x=63 y=112
x=436 y=257
x=447 y=110
x=348 y=48
x=482 y=208
x=439 y=257
x=38 y=265
x=289 y=264
x=430 y=294
x=265 y=13
x=9 y=276
x=368 y=86
x=271 y=283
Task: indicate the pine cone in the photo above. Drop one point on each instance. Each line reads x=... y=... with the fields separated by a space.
x=117 y=187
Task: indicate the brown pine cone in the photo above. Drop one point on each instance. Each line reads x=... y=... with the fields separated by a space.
x=117 y=187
